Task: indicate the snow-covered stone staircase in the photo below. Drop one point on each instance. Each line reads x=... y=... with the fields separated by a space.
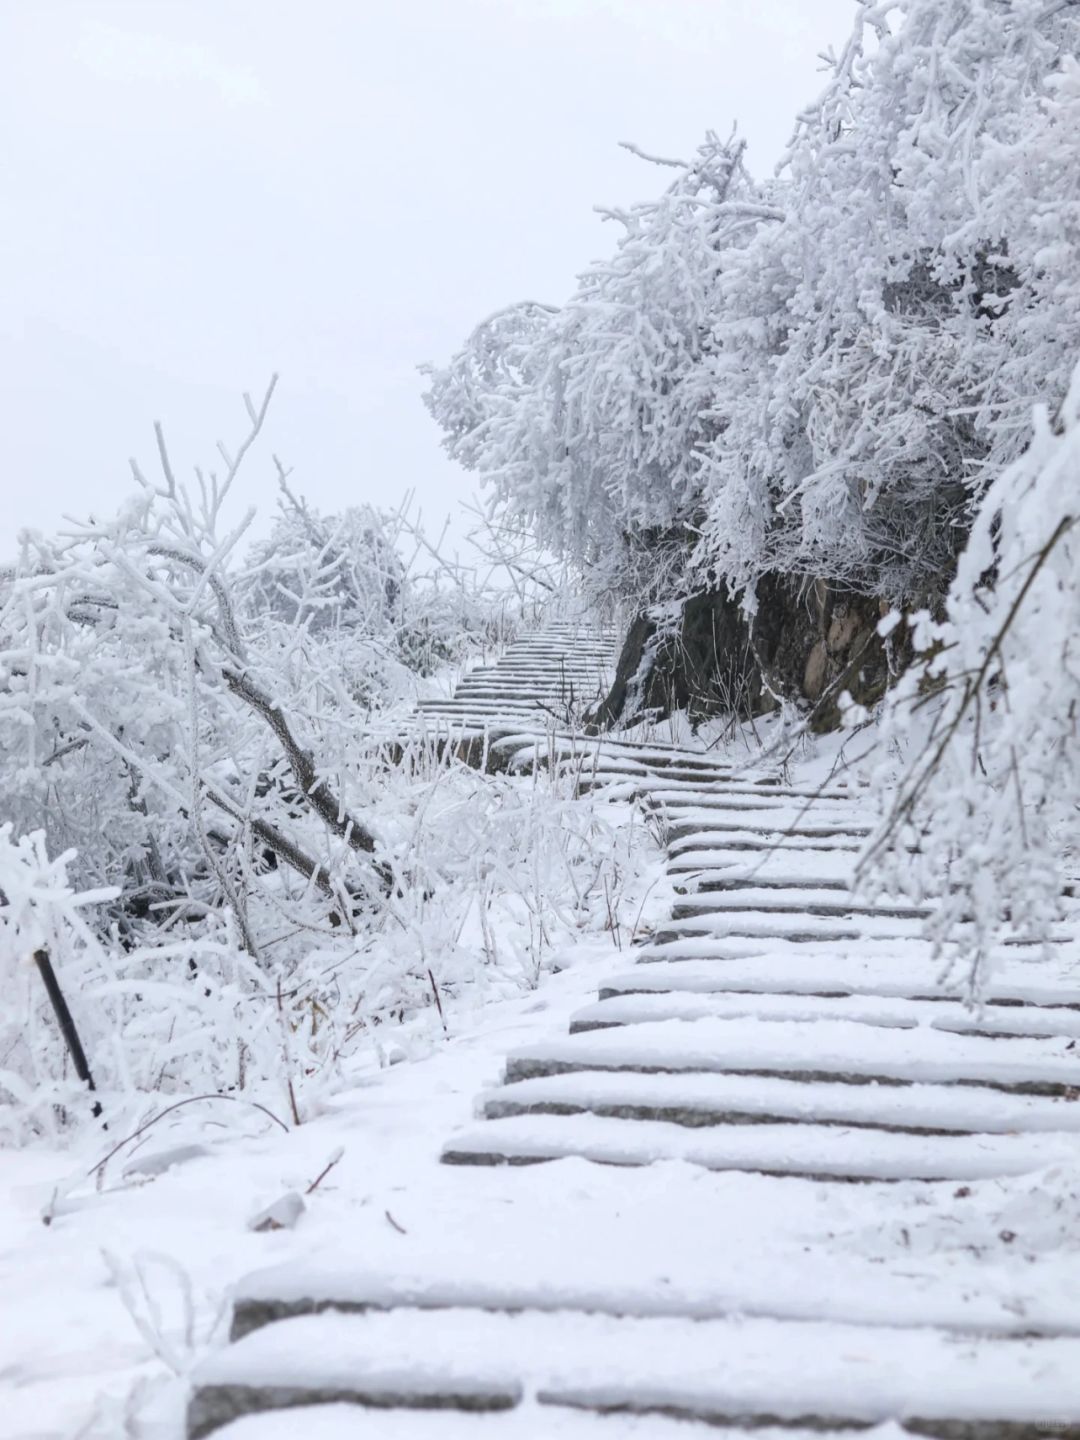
x=777 y=1025
x=790 y=1041
x=554 y=674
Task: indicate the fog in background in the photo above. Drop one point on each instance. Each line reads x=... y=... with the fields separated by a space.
x=197 y=193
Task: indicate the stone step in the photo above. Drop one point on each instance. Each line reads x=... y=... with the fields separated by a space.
x=594 y=668
x=768 y=900
x=746 y=784
x=673 y=1277
x=589 y=681
x=699 y=826
x=545 y=664
x=719 y=788
x=825 y=1050
x=744 y=1374
x=546 y=668
x=709 y=968
x=514 y=693
x=656 y=755
x=495 y=690
x=541 y=660
x=949 y=1016
x=525 y=712
x=465 y=707
x=528 y=1421
x=721 y=852
x=726 y=836
x=811 y=1152
x=631 y=771
x=696 y=1100
x=797 y=928
x=698 y=880
x=781 y=811
x=536 y=670
x=661 y=760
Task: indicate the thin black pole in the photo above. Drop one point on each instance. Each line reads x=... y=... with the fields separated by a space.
x=66 y=1023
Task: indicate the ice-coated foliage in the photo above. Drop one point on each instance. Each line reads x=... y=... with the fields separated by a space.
x=589 y=420
x=212 y=745
x=494 y=874
x=984 y=818
x=832 y=375
x=337 y=572
x=914 y=308
x=819 y=375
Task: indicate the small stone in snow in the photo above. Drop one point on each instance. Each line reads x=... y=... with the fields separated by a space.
x=281 y=1215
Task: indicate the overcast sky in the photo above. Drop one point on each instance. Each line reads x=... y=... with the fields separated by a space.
x=199 y=192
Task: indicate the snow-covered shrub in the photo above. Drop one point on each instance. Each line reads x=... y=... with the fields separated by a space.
x=180 y=713
x=216 y=745
x=194 y=1015
x=988 y=803
x=493 y=873
x=41 y=923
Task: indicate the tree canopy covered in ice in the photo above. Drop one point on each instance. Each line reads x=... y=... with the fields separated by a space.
x=820 y=372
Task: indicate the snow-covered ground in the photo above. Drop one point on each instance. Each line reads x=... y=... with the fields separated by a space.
x=126 y=1285
x=110 y=1305
x=116 y=1276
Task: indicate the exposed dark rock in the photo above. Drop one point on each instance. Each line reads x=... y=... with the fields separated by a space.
x=807 y=642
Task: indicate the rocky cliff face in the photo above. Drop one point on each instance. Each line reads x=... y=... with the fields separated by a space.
x=806 y=642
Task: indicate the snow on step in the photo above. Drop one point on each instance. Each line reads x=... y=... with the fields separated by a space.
x=528 y=1421
x=720 y=798
x=476 y=709
x=656 y=757
x=772 y=803
x=818 y=1153
x=803 y=901
x=724 y=837
x=698 y=1100
x=795 y=927
x=619 y=767
x=771 y=792
x=703 y=967
x=497 y=688
x=641 y=758
x=718 y=868
x=697 y=830
x=822 y=1049
x=672 y=1278
x=792 y=926
x=742 y=1373
x=903 y=1013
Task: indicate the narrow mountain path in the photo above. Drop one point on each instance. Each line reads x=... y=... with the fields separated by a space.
x=799 y=1109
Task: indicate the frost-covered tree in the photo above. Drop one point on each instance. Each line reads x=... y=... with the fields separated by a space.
x=144 y=717
x=338 y=572
x=814 y=379
x=910 y=312
x=985 y=813
x=589 y=420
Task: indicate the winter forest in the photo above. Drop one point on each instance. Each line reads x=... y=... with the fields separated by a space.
x=311 y=819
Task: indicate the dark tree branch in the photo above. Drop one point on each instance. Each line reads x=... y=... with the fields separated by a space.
x=316 y=792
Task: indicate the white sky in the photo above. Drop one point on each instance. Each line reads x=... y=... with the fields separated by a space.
x=199 y=192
